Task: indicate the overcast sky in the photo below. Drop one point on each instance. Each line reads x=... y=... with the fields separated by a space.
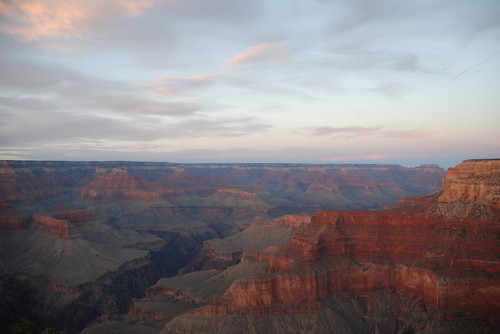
x=315 y=81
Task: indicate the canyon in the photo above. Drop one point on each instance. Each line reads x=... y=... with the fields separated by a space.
x=426 y=265
x=124 y=247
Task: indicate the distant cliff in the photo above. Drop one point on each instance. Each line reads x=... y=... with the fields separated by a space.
x=329 y=186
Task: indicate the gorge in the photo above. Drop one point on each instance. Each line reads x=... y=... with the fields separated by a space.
x=121 y=247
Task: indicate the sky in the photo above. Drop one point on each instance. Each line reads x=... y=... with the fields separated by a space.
x=303 y=81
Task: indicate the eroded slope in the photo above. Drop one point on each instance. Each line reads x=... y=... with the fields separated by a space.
x=422 y=267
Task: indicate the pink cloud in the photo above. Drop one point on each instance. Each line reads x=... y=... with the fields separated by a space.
x=33 y=20
x=170 y=86
x=196 y=77
x=259 y=52
x=363 y=131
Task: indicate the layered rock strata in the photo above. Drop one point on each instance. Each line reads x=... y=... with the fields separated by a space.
x=261 y=234
x=418 y=268
x=473 y=181
x=81 y=239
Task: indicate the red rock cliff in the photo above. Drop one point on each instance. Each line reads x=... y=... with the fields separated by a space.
x=473 y=181
x=59 y=227
x=450 y=264
x=120 y=185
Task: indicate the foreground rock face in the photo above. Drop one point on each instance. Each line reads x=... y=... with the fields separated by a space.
x=428 y=265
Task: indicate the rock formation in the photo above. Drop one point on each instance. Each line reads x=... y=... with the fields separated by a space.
x=329 y=186
x=428 y=265
x=80 y=240
x=473 y=182
x=221 y=253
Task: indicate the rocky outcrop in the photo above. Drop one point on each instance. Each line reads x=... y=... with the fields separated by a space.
x=235 y=198
x=294 y=221
x=58 y=227
x=119 y=185
x=176 y=294
x=473 y=181
x=261 y=234
x=236 y=193
x=442 y=272
x=143 y=314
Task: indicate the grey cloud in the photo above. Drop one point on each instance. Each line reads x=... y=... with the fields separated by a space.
x=176 y=86
x=360 y=12
x=359 y=56
x=16 y=103
x=483 y=20
x=349 y=131
x=50 y=127
x=179 y=85
x=408 y=18
x=61 y=88
x=40 y=128
x=362 y=131
x=25 y=76
x=290 y=84
x=388 y=35
x=406 y=63
x=390 y=89
x=240 y=155
x=204 y=127
x=216 y=11
x=162 y=36
x=167 y=36
x=134 y=105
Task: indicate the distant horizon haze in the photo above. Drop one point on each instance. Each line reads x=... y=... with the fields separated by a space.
x=247 y=163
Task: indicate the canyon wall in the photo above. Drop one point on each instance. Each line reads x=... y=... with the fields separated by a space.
x=473 y=181
x=401 y=270
x=80 y=240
